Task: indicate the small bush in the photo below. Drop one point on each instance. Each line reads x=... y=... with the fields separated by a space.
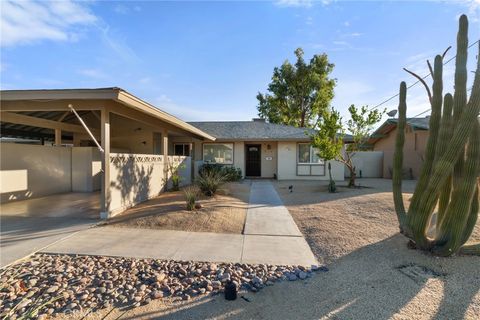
x=209 y=181
x=232 y=173
x=191 y=195
x=229 y=173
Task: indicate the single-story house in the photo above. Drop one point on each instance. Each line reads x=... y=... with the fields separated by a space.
x=416 y=136
x=119 y=148
x=260 y=150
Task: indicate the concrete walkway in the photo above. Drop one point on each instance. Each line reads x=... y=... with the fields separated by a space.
x=271 y=236
x=266 y=214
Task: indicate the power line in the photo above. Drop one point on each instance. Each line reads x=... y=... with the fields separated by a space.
x=431 y=108
x=418 y=81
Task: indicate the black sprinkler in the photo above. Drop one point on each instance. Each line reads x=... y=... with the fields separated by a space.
x=230 y=290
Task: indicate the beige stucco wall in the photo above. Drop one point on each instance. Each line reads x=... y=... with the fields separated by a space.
x=135 y=178
x=287 y=165
x=29 y=171
x=86 y=169
x=413 y=151
x=369 y=163
x=239 y=156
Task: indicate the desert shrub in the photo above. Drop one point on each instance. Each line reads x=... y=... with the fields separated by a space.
x=191 y=195
x=174 y=174
x=209 y=181
x=232 y=173
x=229 y=173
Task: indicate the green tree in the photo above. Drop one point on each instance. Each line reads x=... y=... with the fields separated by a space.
x=329 y=137
x=298 y=93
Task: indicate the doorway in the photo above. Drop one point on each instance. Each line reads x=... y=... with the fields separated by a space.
x=253 y=163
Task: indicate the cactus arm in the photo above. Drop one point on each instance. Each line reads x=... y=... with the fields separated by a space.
x=455 y=223
x=418 y=221
x=446 y=128
x=461 y=133
x=460 y=96
x=472 y=218
x=398 y=159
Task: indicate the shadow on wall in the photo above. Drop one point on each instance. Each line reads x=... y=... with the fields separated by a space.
x=137 y=178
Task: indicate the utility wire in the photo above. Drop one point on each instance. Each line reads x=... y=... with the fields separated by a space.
x=431 y=109
x=418 y=81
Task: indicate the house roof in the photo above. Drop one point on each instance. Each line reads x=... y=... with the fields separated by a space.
x=391 y=124
x=256 y=130
x=36 y=97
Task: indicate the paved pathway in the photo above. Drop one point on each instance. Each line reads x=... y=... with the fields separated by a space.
x=266 y=214
x=271 y=236
x=30 y=225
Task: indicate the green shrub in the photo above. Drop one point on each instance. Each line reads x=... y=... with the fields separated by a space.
x=191 y=195
x=232 y=173
x=173 y=169
x=209 y=181
x=229 y=173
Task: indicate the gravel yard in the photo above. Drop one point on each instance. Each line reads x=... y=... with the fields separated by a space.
x=371 y=272
x=223 y=213
x=337 y=224
x=61 y=285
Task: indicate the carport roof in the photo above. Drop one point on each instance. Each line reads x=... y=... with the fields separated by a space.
x=111 y=93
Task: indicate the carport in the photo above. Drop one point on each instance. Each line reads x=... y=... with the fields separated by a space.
x=51 y=168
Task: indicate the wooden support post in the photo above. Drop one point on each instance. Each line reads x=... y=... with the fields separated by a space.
x=105 y=139
x=165 y=156
x=58 y=137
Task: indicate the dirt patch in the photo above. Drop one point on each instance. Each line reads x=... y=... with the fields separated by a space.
x=222 y=213
x=339 y=223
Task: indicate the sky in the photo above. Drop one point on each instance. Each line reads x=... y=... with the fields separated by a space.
x=208 y=60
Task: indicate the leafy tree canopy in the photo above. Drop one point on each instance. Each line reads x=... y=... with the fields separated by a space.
x=299 y=93
x=328 y=139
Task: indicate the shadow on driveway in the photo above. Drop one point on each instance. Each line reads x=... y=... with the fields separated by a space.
x=29 y=225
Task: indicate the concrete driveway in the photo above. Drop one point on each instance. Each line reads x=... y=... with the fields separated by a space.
x=30 y=225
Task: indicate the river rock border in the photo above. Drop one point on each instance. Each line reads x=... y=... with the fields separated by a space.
x=48 y=284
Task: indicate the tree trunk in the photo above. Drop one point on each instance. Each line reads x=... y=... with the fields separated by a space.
x=353 y=175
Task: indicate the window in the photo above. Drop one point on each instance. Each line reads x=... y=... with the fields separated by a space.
x=308 y=161
x=218 y=153
x=181 y=149
x=308 y=154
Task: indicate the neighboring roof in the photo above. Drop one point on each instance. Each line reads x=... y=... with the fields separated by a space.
x=252 y=130
x=111 y=93
x=391 y=124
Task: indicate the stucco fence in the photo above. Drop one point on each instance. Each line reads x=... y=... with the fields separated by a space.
x=32 y=171
x=135 y=178
x=368 y=164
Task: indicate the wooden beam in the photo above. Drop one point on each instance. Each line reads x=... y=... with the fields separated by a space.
x=55 y=105
x=58 y=137
x=96 y=115
x=63 y=116
x=42 y=123
x=139 y=116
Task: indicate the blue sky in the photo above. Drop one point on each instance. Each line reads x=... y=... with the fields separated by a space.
x=207 y=60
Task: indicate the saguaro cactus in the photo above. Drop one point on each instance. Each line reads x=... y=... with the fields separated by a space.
x=447 y=192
